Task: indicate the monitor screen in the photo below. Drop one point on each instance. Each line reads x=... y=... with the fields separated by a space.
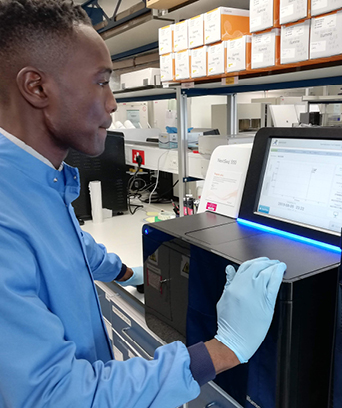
x=302 y=183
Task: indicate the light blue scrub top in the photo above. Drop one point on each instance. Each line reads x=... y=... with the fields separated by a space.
x=54 y=348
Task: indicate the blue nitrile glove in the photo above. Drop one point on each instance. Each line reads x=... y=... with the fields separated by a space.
x=246 y=307
x=171 y=129
x=136 y=279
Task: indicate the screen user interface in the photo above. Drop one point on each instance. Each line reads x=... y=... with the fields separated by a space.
x=302 y=183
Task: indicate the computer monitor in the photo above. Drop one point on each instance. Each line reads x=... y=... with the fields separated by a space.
x=294 y=182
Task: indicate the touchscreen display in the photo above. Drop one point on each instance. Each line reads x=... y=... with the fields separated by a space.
x=302 y=183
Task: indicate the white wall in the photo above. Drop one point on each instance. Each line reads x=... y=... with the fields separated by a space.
x=201 y=110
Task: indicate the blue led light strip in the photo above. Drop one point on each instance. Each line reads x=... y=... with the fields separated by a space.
x=289 y=235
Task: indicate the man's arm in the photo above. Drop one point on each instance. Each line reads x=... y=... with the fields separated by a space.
x=43 y=365
x=108 y=266
x=104 y=266
x=223 y=358
x=127 y=275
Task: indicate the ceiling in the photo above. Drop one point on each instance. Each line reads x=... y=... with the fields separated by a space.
x=109 y=5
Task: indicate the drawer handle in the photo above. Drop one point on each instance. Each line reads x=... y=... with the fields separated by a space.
x=126 y=344
x=212 y=404
x=125 y=331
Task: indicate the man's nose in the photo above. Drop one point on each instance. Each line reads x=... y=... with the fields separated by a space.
x=112 y=105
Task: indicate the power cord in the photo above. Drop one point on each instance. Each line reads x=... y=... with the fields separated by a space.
x=155 y=187
x=160 y=198
x=130 y=183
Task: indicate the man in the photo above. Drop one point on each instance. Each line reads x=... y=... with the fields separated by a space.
x=54 y=350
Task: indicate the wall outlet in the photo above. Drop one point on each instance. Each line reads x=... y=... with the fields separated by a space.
x=136 y=153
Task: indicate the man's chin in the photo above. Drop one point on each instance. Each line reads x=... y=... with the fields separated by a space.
x=97 y=149
x=99 y=146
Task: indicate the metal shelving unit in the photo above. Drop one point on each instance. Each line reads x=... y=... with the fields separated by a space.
x=329 y=75
x=144 y=93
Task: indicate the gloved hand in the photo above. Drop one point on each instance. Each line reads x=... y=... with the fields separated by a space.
x=246 y=307
x=136 y=279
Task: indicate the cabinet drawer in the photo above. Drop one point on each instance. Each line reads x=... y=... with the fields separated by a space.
x=213 y=396
x=105 y=302
x=135 y=336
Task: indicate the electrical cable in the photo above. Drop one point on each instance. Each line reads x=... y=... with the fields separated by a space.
x=159 y=199
x=149 y=200
x=138 y=192
x=141 y=188
x=130 y=183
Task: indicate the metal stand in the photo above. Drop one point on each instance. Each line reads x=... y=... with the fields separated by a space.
x=182 y=137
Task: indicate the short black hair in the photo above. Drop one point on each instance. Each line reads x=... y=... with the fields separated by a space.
x=22 y=19
x=36 y=31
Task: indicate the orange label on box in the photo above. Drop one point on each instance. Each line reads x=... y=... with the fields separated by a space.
x=233 y=26
x=225 y=23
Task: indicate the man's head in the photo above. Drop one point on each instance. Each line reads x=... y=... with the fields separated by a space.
x=55 y=68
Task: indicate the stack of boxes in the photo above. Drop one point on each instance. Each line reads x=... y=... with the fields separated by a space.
x=273 y=33
x=220 y=26
x=326 y=29
x=265 y=29
x=196 y=48
x=167 y=57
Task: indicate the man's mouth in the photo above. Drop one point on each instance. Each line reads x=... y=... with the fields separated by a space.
x=107 y=124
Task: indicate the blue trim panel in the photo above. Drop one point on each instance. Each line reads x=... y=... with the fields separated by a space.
x=227 y=90
x=122 y=99
x=289 y=235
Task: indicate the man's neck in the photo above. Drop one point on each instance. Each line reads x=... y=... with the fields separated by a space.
x=28 y=149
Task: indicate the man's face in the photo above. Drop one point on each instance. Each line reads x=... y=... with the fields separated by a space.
x=81 y=102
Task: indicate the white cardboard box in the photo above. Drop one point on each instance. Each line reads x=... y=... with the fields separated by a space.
x=180 y=36
x=198 y=62
x=290 y=11
x=264 y=49
x=294 y=42
x=216 y=58
x=168 y=140
x=167 y=67
x=196 y=31
x=182 y=65
x=236 y=53
x=165 y=39
x=326 y=35
x=324 y=6
x=261 y=15
x=224 y=23
x=144 y=77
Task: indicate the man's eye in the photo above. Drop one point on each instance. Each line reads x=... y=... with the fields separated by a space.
x=104 y=83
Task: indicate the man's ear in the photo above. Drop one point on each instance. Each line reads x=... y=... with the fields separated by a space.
x=32 y=86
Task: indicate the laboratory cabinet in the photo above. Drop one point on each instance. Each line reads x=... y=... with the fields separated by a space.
x=130 y=337
x=213 y=396
x=125 y=324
